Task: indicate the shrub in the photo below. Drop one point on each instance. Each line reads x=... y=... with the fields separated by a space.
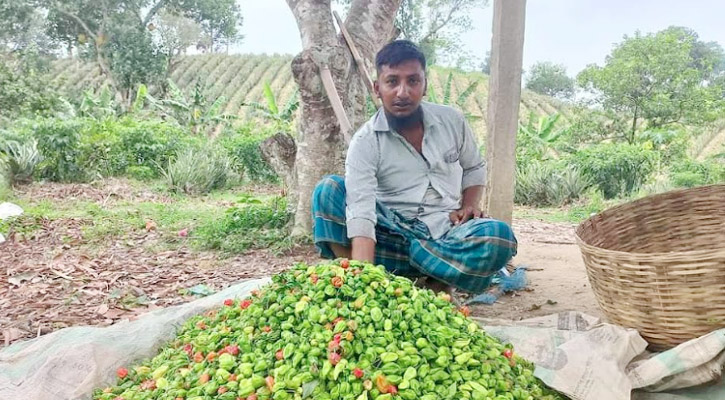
x=59 y=143
x=253 y=223
x=200 y=170
x=546 y=184
x=5 y=188
x=690 y=173
x=21 y=159
x=243 y=146
x=616 y=168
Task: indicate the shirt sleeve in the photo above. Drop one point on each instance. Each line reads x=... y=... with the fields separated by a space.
x=474 y=167
x=361 y=182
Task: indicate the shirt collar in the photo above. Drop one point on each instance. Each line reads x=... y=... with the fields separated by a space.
x=430 y=119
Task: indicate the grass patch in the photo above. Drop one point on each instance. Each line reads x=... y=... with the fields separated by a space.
x=252 y=223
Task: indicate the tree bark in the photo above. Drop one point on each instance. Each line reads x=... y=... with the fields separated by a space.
x=320 y=147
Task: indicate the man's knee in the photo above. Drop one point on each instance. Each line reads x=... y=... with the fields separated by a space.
x=329 y=193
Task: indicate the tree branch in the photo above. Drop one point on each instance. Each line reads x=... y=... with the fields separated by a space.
x=154 y=10
x=434 y=29
x=366 y=19
x=78 y=20
x=314 y=20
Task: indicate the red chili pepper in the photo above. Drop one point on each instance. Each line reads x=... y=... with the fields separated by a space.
x=314 y=278
x=508 y=353
x=338 y=337
x=279 y=355
x=465 y=311
x=337 y=281
x=256 y=293
x=201 y=325
x=232 y=378
x=228 y=302
x=198 y=357
x=148 y=384
x=245 y=304
x=189 y=349
x=334 y=358
x=267 y=329
x=358 y=373
x=336 y=320
x=204 y=378
x=252 y=396
x=222 y=389
x=211 y=356
x=270 y=383
x=122 y=373
x=393 y=390
x=345 y=263
x=232 y=349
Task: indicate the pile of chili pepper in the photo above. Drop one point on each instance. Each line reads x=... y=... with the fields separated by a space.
x=345 y=330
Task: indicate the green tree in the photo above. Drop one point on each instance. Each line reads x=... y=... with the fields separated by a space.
x=660 y=78
x=550 y=79
x=435 y=25
x=121 y=35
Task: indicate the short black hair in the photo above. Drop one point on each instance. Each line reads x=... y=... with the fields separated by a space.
x=397 y=52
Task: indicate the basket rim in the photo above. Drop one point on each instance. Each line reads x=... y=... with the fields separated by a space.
x=636 y=254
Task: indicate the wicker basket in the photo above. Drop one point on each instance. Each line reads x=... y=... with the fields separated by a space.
x=658 y=264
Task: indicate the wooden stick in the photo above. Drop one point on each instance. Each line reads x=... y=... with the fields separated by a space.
x=358 y=59
x=329 y=84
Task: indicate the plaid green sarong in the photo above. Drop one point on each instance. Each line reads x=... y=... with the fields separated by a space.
x=467 y=257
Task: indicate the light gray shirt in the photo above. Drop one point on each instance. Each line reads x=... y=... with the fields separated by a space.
x=381 y=165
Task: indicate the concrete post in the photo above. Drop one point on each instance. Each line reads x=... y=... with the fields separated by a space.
x=504 y=96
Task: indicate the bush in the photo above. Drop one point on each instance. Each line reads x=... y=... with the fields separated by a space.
x=198 y=170
x=252 y=224
x=21 y=159
x=59 y=143
x=5 y=188
x=617 y=169
x=691 y=173
x=243 y=146
x=546 y=184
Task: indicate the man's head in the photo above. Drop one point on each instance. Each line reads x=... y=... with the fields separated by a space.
x=401 y=82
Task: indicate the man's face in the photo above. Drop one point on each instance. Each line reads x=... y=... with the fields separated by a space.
x=401 y=88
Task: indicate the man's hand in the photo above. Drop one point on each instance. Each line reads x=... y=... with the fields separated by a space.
x=466 y=213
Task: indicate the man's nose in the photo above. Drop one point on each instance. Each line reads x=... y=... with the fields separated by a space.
x=403 y=91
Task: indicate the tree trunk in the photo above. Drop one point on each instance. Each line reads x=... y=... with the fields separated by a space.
x=320 y=148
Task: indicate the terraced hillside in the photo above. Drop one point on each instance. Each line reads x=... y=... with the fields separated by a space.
x=240 y=78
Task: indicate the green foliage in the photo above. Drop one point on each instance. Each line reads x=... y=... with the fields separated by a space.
x=448 y=95
x=548 y=184
x=690 y=173
x=98 y=105
x=25 y=90
x=134 y=58
x=550 y=79
x=251 y=224
x=539 y=138
x=59 y=143
x=196 y=171
x=194 y=111
x=21 y=159
x=282 y=118
x=242 y=144
x=5 y=185
x=661 y=78
x=617 y=169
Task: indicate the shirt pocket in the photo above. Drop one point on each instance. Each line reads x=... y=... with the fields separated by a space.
x=451 y=155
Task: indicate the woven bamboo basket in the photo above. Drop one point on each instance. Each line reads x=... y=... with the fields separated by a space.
x=658 y=264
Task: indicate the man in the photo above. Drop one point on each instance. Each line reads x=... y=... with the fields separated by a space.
x=413 y=183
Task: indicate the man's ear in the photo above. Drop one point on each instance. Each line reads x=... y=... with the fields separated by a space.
x=376 y=88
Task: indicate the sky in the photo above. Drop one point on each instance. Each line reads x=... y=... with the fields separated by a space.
x=570 y=32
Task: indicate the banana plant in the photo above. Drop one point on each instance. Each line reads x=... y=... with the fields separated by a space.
x=448 y=94
x=193 y=111
x=541 y=136
x=282 y=117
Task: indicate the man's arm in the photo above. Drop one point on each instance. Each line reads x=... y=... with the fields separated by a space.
x=474 y=177
x=361 y=183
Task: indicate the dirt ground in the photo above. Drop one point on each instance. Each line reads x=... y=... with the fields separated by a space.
x=557 y=276
x=52 y=280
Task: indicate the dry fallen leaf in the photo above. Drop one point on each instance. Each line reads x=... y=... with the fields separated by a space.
x=102 y=309
x=18 y=279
